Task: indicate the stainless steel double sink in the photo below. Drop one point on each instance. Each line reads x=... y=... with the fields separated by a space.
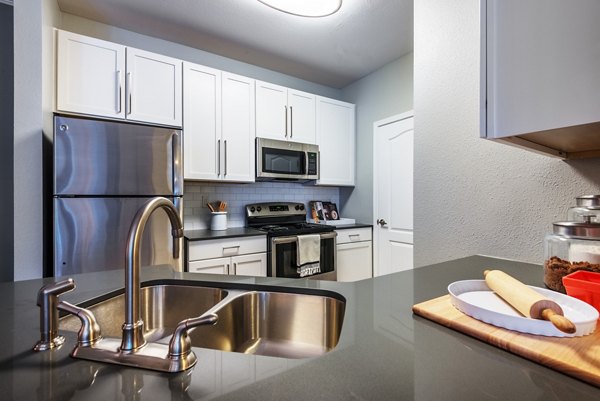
x=298 y=323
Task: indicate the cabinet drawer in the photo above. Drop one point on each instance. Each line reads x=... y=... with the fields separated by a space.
x=354 y=235
x=219 y=248
x=214 y=266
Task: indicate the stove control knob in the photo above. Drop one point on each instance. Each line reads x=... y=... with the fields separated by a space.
x=301 y=207
x=297 y=207
x=252 y=209
x=258 y=209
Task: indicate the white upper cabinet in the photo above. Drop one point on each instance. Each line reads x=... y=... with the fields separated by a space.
x=153 y=88
x=202 y=122
x=238 y=128
x=540 y=75
x=218 y=129
x=284 y=114
x=104 y=79
x=336 y=138
x=90 y=76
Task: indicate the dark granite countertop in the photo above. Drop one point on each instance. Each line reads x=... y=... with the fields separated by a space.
x=349 y=226
x=384 y=353
x=201 y=235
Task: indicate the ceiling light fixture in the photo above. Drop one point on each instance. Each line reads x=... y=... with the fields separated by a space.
x=305 y=8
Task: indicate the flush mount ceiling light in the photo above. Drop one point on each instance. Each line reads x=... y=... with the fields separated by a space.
x=305 y=8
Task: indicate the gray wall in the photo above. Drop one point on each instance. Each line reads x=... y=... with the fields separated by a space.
x=6 y=142
x=381 y=94
x=473 y=196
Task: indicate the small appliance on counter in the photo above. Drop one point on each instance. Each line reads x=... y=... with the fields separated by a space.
x=287 y=234
x=327 y=213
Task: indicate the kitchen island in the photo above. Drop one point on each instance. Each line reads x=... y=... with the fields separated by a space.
x=384 y=353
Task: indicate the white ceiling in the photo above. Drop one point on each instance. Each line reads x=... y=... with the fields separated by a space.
x=334 y=51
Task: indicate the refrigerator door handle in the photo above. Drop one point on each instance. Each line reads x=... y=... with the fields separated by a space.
x=177 y=165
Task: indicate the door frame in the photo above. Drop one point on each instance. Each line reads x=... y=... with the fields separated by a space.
x=376 y=125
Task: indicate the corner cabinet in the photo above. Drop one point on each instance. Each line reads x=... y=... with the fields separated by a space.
x=218 y=125
x=540 y=75
x=284 y=114
x=104 y=79
x=336 y=137
x=239 y=256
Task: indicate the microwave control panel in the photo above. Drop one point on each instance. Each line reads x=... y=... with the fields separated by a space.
x=312 y=163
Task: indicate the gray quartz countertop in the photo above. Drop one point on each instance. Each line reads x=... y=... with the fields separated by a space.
x=384 y=352
x=351 y=226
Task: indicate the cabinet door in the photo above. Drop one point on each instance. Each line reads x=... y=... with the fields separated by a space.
x=354 y=261
x=154 y=89
x=90 y=76
x=238 y=129
x=301 y=116
x=202 y=122
x=271 y=111
x=542 y=70
x=250 y=265
x=213 y=266
x=336 y=139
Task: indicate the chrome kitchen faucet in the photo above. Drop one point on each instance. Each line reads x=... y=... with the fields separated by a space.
x=132 y=349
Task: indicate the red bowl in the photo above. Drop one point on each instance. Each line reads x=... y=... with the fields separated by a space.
x=585 y=286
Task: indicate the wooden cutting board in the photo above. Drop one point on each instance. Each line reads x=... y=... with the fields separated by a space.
x=575 y=356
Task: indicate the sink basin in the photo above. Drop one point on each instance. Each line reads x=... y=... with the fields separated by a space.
x=272 y=323
x=163 y=306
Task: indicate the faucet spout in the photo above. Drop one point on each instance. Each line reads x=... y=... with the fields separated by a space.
x=133 y=328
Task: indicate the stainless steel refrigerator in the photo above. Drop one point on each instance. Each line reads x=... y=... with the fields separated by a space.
x=104 y=171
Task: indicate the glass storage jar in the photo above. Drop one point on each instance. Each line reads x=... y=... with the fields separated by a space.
x=572 y=246
x=587 y=205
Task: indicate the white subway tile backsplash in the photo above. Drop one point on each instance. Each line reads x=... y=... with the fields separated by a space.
x=197 y=216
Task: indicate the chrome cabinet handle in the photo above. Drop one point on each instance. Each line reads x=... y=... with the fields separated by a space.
x=119 y=90
x=225 y=145
x=286 y=121
x=218 y=157
x=129 y=88
x=381 y=222
x=291 y=122
x=234 y=268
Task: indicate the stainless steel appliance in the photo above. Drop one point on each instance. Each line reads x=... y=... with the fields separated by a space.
x=283 y=160
x=104 y=172
x=284 y=222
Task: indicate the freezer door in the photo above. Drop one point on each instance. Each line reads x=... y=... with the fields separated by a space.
x=90 y=234
x=105 y=158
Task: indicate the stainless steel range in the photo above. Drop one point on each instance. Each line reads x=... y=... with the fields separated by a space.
x=284 y=223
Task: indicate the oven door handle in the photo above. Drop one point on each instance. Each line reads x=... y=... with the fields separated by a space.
x=294 y=238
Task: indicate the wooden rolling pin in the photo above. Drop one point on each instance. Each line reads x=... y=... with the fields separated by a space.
x=529 y=302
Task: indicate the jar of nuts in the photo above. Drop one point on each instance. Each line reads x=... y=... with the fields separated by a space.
x=570 y=247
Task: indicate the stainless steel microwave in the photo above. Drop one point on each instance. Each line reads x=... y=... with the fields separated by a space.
x=287 y=161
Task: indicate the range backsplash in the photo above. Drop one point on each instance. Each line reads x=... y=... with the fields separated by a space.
x=196 y=215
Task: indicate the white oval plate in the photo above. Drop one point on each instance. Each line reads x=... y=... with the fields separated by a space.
x=474 y=298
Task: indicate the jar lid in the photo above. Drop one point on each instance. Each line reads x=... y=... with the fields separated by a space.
x=572 y=229
x=588 y=200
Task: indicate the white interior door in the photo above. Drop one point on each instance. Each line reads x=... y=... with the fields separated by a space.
x=393 y=194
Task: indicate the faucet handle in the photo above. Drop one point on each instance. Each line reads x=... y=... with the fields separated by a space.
x=180 y=346
x=47 y=300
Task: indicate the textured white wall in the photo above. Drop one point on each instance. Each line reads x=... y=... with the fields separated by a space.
x=381 y=94
x=473 y=196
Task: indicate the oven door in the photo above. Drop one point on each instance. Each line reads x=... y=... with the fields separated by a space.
x=282 y=258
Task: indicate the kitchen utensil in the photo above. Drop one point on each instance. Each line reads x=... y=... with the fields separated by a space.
x=527 y=301
x=212 y=209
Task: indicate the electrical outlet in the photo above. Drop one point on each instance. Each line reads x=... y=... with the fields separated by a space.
x=204 y=201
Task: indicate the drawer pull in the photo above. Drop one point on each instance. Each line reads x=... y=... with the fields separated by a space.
x=354 y=236
x=231 y=249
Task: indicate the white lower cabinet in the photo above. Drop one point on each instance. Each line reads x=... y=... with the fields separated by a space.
x=239 y=256
x=354 y=254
